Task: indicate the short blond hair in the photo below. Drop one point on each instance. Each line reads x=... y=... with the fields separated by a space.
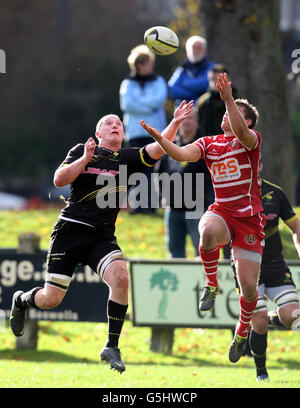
x=100 y=122
x=139 y=55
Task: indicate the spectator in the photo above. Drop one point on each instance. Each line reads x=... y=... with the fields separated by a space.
x=189 y=81
x=210 y=107
x=142 y=96
x=178 y=221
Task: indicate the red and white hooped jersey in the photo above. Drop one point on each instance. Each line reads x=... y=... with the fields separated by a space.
x=234 y=172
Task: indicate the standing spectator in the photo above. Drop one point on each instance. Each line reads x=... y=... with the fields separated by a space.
x=142 y=96
x=189 y=81
x=210 y=107
x=178 y=221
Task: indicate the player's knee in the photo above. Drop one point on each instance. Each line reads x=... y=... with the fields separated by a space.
x=207 y=236
x=260 y=322
x=122 y=278
x=119 y=276
x=249 y=290
x=287 y=318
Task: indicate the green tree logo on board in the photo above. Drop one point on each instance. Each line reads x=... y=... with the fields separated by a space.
x=166 y=282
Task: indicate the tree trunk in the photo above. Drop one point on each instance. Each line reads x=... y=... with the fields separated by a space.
x=245 y=37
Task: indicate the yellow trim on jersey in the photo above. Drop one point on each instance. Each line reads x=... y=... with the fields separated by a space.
x=272 y=184
x=107 y=190
x=291 y=219
x=271 y=231
x=143 y=160
x=102 y=191
x=268 y=195
x=93 y=192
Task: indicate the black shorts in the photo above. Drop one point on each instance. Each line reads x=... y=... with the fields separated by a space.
x=275 y=273
x=73 y=243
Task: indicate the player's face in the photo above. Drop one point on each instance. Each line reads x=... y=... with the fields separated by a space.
x=111 y=130
x=225 y=125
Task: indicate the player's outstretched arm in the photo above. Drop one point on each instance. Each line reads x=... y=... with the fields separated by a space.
x=65 y=175
x=182 y=112
x=189 y=152
x=237 y=122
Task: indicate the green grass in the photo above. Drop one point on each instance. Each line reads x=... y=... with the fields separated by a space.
x=138 y=235
x=68 y=353
x=67 y=357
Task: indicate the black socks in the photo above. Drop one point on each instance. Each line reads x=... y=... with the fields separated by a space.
x=258 y=345
x=115 y=315
x=26 y=300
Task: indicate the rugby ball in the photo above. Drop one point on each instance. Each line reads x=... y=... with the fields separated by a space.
x=161 y=40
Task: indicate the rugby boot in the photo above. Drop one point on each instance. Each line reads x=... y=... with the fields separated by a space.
x=208 y=298
x=237 y=348
x=112 y=355
x=262 y=377
x=17 y=316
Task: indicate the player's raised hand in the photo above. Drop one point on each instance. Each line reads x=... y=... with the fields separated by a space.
x=224 y=87
x=152 y=132
x=89 y=149
x=183 y=111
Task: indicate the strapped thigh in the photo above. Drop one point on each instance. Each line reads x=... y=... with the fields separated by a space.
x=58 y=281
x=107 y=260
x=283 y=295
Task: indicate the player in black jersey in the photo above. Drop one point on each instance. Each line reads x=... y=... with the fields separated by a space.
x=84 y=232
x=275 y=281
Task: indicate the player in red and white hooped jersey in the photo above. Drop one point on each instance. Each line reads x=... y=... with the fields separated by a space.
x=236 y=215
x=234 y=171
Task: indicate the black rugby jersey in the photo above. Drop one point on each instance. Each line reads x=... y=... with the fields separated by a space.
x=105 y=176
x=276 y=205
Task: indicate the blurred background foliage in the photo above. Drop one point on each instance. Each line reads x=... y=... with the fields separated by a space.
x=65 y=62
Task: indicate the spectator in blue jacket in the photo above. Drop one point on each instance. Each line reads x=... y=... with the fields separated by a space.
x=142 y=97
x=189 y=81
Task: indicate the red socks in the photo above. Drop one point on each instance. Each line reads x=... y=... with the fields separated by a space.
x=246 y=313
x=210 y=261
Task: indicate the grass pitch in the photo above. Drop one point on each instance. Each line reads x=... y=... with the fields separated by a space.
x=68 y=357
x=68 y=353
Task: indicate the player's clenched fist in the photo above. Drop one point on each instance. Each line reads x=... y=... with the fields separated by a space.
x=89 y=148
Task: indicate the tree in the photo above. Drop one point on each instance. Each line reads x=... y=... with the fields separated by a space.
x=166 y=281
x=245 y=36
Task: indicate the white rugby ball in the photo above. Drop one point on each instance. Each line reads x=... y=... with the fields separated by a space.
x=161 y=40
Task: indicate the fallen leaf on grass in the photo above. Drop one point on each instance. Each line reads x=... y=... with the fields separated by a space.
x=66 y=338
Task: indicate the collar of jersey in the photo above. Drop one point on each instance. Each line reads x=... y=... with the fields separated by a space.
x=107 y=150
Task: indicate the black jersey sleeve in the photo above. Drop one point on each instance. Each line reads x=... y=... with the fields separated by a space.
x=286 y=210
x=138 y=158
x=73 y=154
